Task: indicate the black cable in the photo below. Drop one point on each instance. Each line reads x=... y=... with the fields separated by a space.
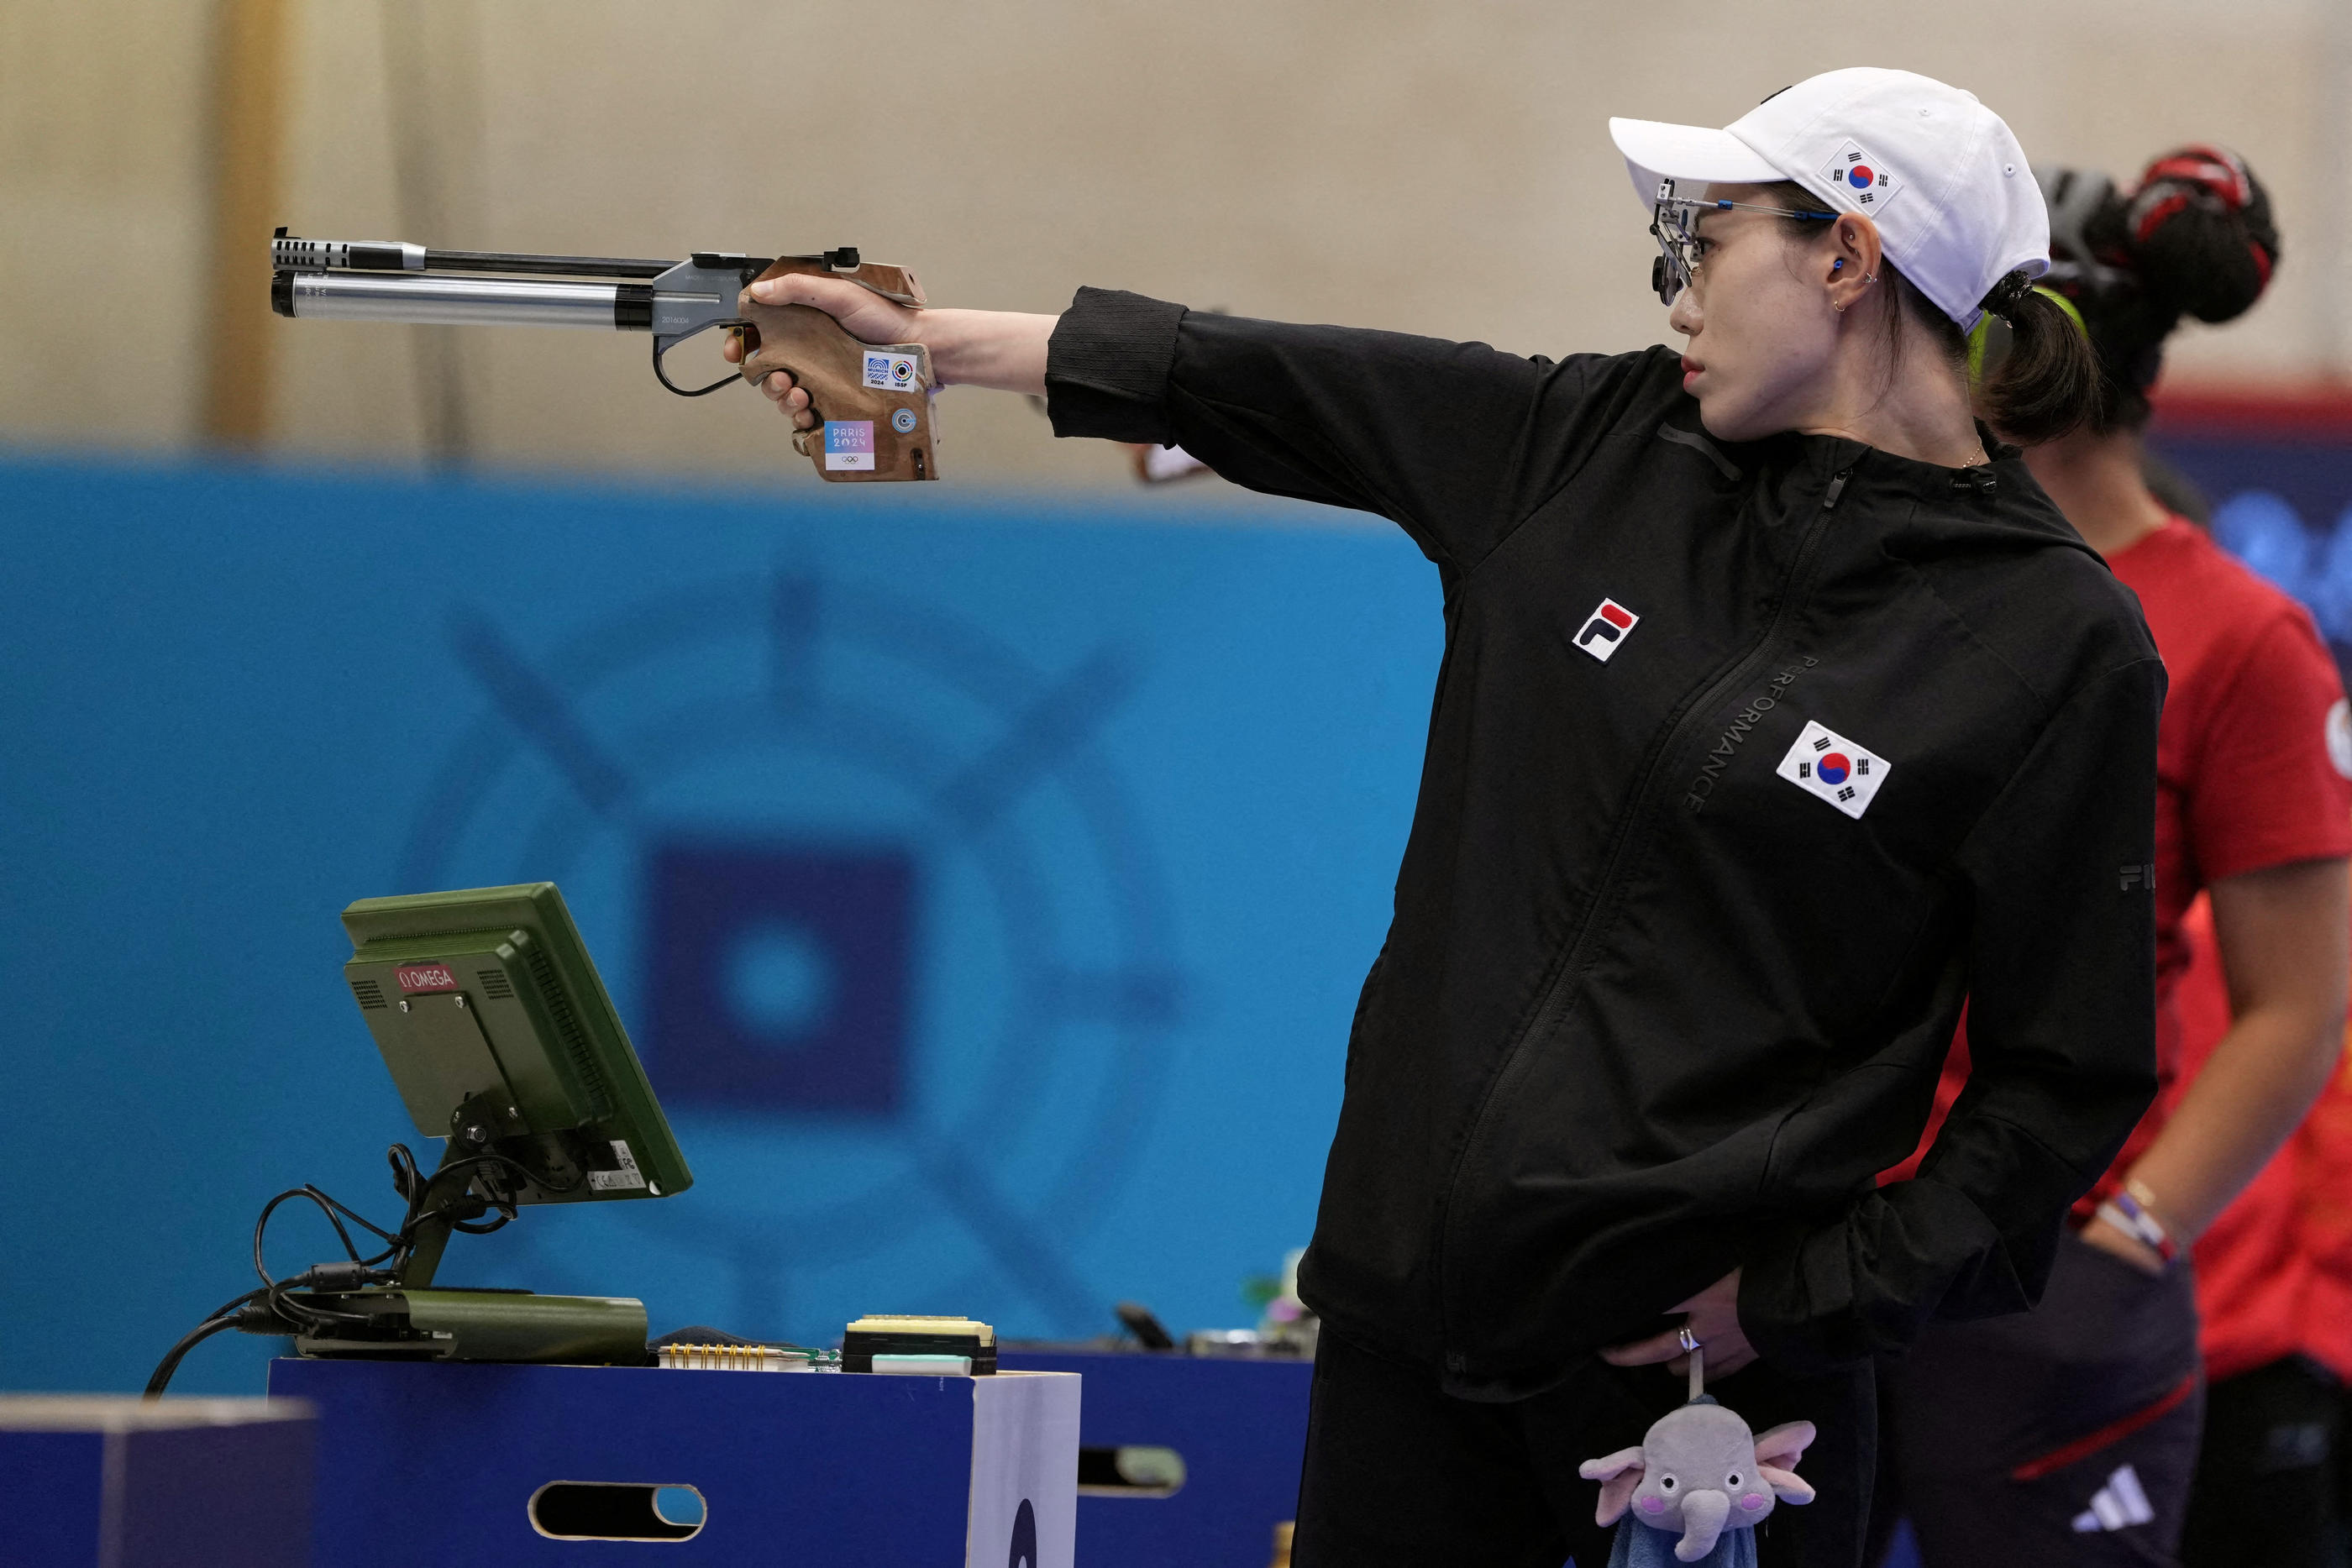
x=338 y=1212
x=304 y=1315
x=273 y=1309
x=171 y=1362
x=406 y=1180
x=281 y=1305
x=335 y=1212
x=227 y=1309
x=328 y=1205
x=261 y=1229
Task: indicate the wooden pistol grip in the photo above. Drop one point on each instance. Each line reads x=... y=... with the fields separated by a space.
x=874 y=400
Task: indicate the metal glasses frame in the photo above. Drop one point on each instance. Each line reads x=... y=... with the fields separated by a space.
x=1673 y=223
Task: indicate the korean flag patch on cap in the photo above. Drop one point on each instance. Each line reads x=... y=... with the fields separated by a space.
x=1829 y=765
x=1860 y=179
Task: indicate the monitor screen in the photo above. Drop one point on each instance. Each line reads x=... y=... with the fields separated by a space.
x=502 y=1039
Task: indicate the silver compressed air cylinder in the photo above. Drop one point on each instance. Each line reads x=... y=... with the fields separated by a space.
x=459 y=302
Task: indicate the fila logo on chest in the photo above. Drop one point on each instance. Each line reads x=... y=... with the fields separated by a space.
x=1824 y=763
x=1605 y=630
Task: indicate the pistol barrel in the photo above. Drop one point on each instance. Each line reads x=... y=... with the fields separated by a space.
x=461 y=301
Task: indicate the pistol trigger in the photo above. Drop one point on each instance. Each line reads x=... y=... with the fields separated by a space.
x=801 y=440
x=662 y=345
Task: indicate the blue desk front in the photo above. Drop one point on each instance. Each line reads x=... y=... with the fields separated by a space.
x=437 y=1465
x=1240 y=1427
x=109 y=1481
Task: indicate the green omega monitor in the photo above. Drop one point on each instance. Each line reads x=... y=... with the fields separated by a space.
x=502 y=1040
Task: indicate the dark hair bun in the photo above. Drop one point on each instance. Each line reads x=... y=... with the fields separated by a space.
x=2199 y=232
x=2195 y=239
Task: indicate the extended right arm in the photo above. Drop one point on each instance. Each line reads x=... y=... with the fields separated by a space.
x=1001 y=349
x=1457 y=442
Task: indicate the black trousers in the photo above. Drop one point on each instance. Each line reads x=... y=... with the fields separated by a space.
x=2266 y=1470
x=1400 y=1473
x=2066 y=1436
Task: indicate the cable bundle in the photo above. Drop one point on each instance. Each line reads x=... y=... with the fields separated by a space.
x=470 y=1188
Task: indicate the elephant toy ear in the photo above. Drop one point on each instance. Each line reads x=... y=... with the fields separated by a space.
x=1618 y=1474
x=1786 y=1444
x=1776 y=1453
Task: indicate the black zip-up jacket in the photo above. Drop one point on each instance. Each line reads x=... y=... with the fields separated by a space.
x=1657 y=1001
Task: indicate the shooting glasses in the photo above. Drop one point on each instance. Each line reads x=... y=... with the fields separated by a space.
x=1674 y=222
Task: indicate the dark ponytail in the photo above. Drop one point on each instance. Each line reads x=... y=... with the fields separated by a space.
x=2048 y=385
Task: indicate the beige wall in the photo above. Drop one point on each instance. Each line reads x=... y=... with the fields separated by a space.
x=1432 y=167
x=102 y=219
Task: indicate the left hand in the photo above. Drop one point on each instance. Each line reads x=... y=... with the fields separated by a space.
x=1714 y=1322
x=2100 y=1234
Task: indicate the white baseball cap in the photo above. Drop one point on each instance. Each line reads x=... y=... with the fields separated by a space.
x=1941 y=175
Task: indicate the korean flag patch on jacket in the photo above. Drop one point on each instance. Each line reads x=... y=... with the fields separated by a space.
x=1829 y=765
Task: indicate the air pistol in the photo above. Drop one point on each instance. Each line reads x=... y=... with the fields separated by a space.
x=874 y=400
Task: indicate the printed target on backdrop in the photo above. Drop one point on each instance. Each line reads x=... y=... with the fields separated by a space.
x=874 y=906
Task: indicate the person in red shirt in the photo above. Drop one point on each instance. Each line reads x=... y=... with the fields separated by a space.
x=2322 y=1163
x=2274 y=1303
x=2070 y=1435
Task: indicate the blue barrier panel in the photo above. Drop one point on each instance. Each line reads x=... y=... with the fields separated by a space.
x=987 y=887
x=1239 y=1428
x=451 y=1466
x=111 y=1482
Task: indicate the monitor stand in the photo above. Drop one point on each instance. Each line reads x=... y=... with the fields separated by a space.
x=410 y=1319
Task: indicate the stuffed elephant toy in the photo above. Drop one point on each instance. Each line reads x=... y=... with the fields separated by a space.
x=1700 y=1475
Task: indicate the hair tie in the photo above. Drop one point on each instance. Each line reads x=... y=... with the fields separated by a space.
x=2003 y=299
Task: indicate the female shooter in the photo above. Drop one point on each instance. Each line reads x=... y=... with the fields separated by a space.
x=1778 y=710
